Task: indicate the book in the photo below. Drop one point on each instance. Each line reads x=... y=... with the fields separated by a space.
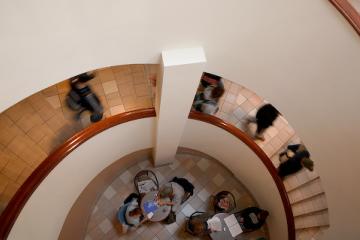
x=233 y=225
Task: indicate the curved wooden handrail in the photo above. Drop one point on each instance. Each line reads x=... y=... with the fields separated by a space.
x=262 y=155
x=349 y=12
x=16 y=204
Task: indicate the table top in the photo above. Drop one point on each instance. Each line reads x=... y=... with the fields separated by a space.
x=222 y=235
x=161 y=212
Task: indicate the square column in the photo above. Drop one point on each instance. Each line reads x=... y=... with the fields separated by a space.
x=176 y=89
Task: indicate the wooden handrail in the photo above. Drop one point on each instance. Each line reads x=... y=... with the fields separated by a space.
x=349 y=12
x=16 y=204
x=262 y=155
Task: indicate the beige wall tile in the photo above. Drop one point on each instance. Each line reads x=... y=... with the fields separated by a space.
x=137 y=68
x=14 y=168
x=56 y=122
x=24 y=175
x=38 y=132
x=106 y=75
x=63 y=87
x=117 y=110
x=8 y=134
x=18 y=110
x=29 y=121
x=4 y=181
x=142 y=90
x=139 y=78
x=110 y=87
x=113 y=99
x=46 y=112
x=48 y=144
x=9 y=192
x=54 y=101
x=124 y=78
x=5 y=121
x=144 y=102
x=50 y=91
x=129 y=102
x=98 y=89
x=127 y=89
x=37 y=101
x=123 y=69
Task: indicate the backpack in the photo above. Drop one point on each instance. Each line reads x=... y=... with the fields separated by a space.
x=187 y=186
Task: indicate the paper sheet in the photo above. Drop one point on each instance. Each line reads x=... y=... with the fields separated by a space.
x=214 y=224
x=233 y=225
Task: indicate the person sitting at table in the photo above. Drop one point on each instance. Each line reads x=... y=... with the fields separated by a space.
x=222 y=202
x=178 y=190
x=198 y=227
x=134 y=216
x=251 y=218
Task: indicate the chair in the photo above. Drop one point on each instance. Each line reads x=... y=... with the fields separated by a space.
x=221 y=195
x=146 y=181
x=203 y=216
x=121 y=214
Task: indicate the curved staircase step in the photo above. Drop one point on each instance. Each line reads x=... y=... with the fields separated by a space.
x=305 y=192
x=318 y=219
x=308 y=206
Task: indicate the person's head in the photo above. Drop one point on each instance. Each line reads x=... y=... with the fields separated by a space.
x=135 y=212
x=308 y=163
x=166 y=191
x=84 y=77
x=263 y=215
x=217 y=92
x=209 y=79
x=197 y=226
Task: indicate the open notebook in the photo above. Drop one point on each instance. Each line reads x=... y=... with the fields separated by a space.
x=233 y=225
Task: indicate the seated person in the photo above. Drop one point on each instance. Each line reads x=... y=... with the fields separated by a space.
x=251 y=218
x=210 y=90
x=198 y=227
x=134 y=216
x=294 y=159
x=178 y=189
x=222 y=202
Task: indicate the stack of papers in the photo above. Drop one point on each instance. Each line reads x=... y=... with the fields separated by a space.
x=233 y=225
x=214 y=224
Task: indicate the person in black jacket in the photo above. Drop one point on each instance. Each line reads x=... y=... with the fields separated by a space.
x=294 y=159
x=265 y=117
x=252 y=218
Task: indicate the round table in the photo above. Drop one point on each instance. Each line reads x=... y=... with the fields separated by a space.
x=222 y=235
x=161 y=212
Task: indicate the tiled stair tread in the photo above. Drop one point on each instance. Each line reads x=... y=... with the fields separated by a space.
x=310 y=233
x=317 y=203
x=313 y=185
x=300 y=198
x=310 y=212
x=314 y=220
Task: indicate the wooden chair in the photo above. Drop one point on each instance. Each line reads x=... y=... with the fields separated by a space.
x=146 y=181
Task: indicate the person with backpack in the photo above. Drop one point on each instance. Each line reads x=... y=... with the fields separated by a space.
x=178 y=190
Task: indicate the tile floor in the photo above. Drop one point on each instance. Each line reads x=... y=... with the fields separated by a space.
x=103 y=224
x=31 y=129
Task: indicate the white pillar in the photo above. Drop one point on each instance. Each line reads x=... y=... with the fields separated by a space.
x=176 y=88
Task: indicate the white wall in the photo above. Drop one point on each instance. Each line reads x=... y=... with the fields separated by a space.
x=43 y=215
x=244 y=164
x=301 y=55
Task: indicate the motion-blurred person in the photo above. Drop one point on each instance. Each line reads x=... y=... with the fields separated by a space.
x=251 y=219
x=81 y=97
x=265 y=117
x=210 y=91
x=294 y=159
